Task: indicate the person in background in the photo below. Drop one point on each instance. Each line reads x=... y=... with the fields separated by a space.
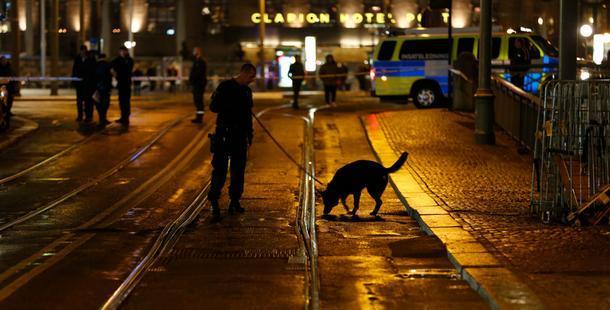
x=198 y=79
x=123 y=68
x=363 y=70
x=103 y=87
x=137 y=84
x=297 y=74
x=519 y=62
x=82 y=68
x=151 y=73
x=328 y=73
x=7 y=71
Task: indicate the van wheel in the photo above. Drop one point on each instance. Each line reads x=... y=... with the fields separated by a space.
x=426 y=96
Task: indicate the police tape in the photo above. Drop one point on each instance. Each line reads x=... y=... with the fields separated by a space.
x=372 y=73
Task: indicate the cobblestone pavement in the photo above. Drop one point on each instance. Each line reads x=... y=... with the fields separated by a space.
x=487 y=189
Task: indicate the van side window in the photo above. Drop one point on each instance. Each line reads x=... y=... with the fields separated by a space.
x=424 y=49
x=465 y=45
x=386 y=50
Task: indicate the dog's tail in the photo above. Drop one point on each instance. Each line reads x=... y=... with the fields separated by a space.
x=401 y=161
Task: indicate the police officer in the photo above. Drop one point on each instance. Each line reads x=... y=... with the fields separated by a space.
x=103 y=87
x=123 y=67
x=297 y=73
x=198 y=79
x=83 y=68
x=519 y=62
x=232 y=100
x=7 y=71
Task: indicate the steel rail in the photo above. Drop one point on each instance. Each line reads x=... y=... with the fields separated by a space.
x=98 y=179
x=47 y=160
x=164 y=242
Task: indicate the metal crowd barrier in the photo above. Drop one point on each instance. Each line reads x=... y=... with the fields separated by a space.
x=572 y=161
x=516 y=111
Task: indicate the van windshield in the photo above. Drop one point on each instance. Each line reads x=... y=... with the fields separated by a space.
x=546 y=46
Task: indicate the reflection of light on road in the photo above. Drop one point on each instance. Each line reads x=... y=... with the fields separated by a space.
x=384 y=78
x=176 y=195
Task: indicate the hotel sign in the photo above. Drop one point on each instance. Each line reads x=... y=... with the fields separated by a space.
x=352 y=19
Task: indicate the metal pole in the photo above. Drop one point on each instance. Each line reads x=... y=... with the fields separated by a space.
x=16 y=50
x=81 y=19
x=130 y=36
x=43 y=38
x=261 y=43
x=567 y=40
x=484 y=97
x=106 y=34
x=29 y=27
x=54 y=45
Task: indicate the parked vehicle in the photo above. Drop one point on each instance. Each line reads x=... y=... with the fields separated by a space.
x=416 y=65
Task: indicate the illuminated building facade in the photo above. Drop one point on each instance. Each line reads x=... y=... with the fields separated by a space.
x=161 y=26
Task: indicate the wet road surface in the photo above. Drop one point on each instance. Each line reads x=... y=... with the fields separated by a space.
x=77 y=253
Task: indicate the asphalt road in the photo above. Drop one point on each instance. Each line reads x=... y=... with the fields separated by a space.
x=100 y=205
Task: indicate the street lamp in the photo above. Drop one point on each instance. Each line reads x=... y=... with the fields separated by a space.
x=586 y=30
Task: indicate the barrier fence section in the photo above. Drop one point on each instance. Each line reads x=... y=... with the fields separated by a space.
x=516 y=111
x=572 y=162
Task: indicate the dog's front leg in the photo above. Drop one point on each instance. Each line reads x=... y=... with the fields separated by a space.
x=356 y=203
x=344 y=204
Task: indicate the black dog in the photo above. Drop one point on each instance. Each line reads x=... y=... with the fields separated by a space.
x=353 y=178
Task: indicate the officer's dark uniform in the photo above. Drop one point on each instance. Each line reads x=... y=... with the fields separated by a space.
x=84 y=68
x=519 y=64
x=296 y=73
x=7 y=71
x=103 y=88
x=198 y=79
x=123 y=67
x=233 y=103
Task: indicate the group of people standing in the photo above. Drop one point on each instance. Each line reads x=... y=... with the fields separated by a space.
x=332 y=74
x=95 y=85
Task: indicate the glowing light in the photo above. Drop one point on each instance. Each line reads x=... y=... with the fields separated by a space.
x=586 y=30
x=130 y=44
x=600 y=41
x=584 y=75
x=591 y=20
x=525 y=29
x=540 y=21
x=279 y=53
x=384 y=78
x=510 y=31
x=170 y=32
x=310 y=53
x=205 y=11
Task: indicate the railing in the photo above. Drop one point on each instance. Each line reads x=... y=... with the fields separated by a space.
x=516 y=111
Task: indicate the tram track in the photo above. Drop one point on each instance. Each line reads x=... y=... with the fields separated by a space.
x=21 y=273
x=305 y=225
x=129 y=159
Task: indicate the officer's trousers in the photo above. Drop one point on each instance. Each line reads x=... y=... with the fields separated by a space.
x=125 y=102
x=102 y=105
x=237 y=152
x=198 y=98
x=296 y=89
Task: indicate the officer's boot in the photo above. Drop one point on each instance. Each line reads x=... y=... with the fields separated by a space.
x=198 y=119
x=215 y=211
x=234 y=206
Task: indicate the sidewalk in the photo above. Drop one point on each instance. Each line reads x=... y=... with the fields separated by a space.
x=20 y=127
x=475 y=198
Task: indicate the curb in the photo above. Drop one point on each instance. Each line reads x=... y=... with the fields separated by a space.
x=15 y=135
x=477 y=266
